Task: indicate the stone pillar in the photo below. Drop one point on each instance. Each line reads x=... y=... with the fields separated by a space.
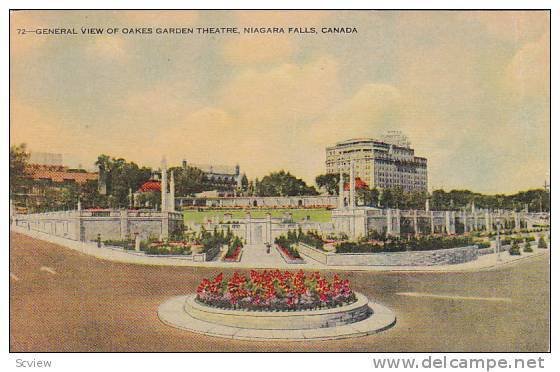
x=136 y=242
x=171 y=201
x=341 y=191
x=449 y=225
x=517 y=221
x=432 y=225
x=397 y=222
x=427 y=205
x=488 y=221
x=124 y=223
x=415 y=222
x=475 y=216
x=79 y=205
x=248 y=232
x=352 y=201
x=268 y=234
x=466 y=228
x=164 y=185
x=389 y=221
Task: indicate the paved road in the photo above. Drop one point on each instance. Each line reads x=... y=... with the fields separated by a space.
x=62 y=300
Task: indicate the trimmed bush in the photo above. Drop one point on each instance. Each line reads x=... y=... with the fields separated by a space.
x=514 y=249
x=399 y=245
x=527 y=248
x=542 y=243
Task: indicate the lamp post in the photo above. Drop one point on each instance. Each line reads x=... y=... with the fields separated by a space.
x=498 y=243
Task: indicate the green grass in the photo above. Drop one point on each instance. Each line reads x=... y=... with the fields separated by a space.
x=316 y=215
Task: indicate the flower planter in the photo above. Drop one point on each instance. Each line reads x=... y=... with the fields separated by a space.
x=360 y=318
x=271 y=305
x=304 y=319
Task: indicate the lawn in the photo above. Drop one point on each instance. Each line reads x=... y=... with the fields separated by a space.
x=315 y=215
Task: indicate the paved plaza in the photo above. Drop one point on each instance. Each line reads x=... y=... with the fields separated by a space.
x=64 y=300
x=256 y=255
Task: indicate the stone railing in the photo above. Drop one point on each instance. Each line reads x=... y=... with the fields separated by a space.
x=449 y=256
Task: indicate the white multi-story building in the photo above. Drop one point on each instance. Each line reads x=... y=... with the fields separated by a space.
x=379 y=163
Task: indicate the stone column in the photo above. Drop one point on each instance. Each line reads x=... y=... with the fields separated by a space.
x=124 y=223
x=136 y=242
x=427 y=205
x=248 y=232
x=171 y=201
x=397 y=222
x=448 y=227
x=415 y=222
x=488 y=221
x=475 y=215
x=341 y=191
x=432 y=225
x=163 y=185
x=466 y=228
x=268 y=234
x=517 y=221
x=352 y=201
x=389 y=221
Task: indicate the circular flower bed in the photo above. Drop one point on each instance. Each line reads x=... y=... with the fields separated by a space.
x=275 y=291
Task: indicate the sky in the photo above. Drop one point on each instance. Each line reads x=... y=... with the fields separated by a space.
x=470 y=90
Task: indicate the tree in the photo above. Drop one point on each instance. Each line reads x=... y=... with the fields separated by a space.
x=120 y=177
x=188 y=181
x=283 y=183
x=18 y=160
x=328 y=182
x=90 y=196
x=542 y=243
x=368 y=197
x=244 y=183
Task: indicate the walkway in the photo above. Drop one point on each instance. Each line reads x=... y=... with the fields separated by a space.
x=256 y=255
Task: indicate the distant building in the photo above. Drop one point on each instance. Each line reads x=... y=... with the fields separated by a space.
x=383 y=164
x=45 y=158
x=58 y=174
x=224 y=179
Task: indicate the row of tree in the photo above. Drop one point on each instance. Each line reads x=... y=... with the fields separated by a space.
x=118 y=177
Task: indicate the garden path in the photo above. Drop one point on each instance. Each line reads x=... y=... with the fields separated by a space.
x=256 y=254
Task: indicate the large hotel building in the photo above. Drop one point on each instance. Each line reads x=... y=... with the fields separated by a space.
x=385 y=163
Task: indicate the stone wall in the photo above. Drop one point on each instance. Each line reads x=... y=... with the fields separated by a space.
x=450 y=256
x=109 y=224
x=258 y=201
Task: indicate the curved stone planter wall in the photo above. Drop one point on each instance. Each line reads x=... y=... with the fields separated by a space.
x=419 y=258
x=358 y=319
x=306 y=319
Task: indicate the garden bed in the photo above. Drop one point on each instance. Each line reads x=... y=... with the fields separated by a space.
x=287 y=256
x=274 y=291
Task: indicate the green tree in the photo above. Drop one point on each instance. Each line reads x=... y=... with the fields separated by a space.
x=188 y=181
x=18 y=160
x=328 y=182
x=283 y=183
x=120 y=177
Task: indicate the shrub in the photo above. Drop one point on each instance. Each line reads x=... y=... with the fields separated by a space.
x=527 y=248
x=483 y=244
x=530 y=238
x=165 y=249
x=514 y=249
x=399 y=245
x=125 y=244
x=234 y=249
x=542 y=243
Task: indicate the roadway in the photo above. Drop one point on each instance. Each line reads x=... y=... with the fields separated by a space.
x=63 y=300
